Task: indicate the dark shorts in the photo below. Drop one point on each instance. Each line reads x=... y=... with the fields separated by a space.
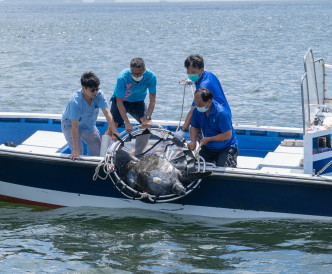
x=136 y=109
x=226 y=157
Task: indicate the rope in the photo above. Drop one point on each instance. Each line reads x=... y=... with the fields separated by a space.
x=184 y=93
x=107 y=168
x=324 y=168
x=152 y=147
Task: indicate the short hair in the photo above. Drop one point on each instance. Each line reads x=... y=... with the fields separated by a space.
x=194 y=60
x=90 y=80
x=204 y=93
x=137 y=63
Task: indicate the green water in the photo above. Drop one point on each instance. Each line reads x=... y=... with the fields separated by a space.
x=255 y=48
x=98 y=240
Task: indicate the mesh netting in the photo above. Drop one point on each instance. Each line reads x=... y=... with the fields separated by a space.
x=155 y=141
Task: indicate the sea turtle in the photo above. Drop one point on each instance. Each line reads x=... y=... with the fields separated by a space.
x=153 y=174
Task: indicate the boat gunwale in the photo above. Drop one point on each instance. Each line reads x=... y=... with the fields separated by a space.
x=249 y=126
x=55 y=157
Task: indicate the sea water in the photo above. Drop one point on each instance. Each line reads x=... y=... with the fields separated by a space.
x=255 y=48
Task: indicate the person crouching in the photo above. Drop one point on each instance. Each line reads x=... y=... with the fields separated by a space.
x=219 y=144
x=79 y=118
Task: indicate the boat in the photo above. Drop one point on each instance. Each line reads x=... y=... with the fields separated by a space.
x=282 y=172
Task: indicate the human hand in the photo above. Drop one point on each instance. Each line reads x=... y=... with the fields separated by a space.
x=114 y=138
x=204 y=141
x=179 y=134
x=108 y=131
x=146 y=123
x=75 y=155
x=189 y=82
x=129 y=128
x=192 y=145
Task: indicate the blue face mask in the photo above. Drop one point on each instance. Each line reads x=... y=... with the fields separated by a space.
x=193 y=77
x=202 y=109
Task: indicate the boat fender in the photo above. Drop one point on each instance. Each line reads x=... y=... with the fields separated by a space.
x=105 y=142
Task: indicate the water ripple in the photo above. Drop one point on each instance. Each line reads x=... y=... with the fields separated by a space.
x=256 y=50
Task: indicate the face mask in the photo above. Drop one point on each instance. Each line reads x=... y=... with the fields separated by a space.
x=202 y=109
x=193 y=77
x=137 y=79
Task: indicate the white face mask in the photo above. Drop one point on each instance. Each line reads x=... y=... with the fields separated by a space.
x=137 y=79
x=202 y=109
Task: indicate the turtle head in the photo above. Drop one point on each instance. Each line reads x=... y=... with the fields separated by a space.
x=178 y=188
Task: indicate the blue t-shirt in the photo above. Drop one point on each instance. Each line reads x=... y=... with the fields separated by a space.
x=78 y=109
x=218 y=121
x=211 y=82
x=131 y=91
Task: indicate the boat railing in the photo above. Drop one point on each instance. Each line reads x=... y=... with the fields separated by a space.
x=317 y=116
x=316 y=101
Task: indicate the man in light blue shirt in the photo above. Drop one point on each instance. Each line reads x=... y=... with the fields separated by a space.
x=79 y=118
x=129 y=95
x=219 y=144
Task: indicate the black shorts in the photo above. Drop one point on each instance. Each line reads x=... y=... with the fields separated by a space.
x=136 y=109
x=226 y=157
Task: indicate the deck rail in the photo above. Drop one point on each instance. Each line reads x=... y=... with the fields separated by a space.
x=316 y=102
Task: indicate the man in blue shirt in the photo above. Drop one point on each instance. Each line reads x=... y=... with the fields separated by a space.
x=219 y=143
x=202 y=79
x=129 y=95
x=79 y=118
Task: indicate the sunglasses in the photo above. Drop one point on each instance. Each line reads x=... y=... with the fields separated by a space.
x=93 y=90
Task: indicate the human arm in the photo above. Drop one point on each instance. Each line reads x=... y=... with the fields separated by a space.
x=186 y=123
x=220 y=137
x=74 y=132
x=123 y=113
x=223 y=124
x=110 y=122
x=145 y=122
x=193 y=137
x=182 y=131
